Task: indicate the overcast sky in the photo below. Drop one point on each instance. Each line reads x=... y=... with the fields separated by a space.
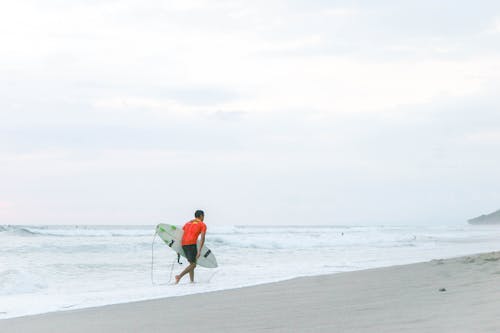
x=259 y=112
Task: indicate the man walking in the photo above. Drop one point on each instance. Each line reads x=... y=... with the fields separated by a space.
x=192 y=230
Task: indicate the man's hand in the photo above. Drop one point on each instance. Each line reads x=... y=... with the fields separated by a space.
x=198 y=255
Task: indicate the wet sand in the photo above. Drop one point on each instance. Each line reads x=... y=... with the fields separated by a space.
x=452 y=295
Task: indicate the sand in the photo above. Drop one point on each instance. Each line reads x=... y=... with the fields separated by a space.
x=452 y=295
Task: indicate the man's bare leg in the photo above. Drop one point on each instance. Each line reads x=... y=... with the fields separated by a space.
x=191 y=274
x=188 y=269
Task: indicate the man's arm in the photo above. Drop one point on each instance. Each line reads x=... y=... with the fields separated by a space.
x=202 y=242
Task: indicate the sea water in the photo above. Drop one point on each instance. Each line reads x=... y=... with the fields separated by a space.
x=55 y=268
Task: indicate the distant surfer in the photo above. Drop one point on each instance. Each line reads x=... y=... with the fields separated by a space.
x=192 y=230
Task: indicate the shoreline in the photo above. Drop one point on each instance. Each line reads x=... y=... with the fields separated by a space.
x=459 y=294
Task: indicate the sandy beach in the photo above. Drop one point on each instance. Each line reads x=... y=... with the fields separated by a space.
x=452 y=295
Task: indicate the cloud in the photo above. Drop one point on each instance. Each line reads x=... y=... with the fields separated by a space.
x=141 y=103
x=5 y=204
x=490 y=137
x=6 y=212
x=317 y=108
x=252 y=71
x=494 y=27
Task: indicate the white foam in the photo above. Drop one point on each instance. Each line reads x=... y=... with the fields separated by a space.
x=69 y=267
x=15 y=282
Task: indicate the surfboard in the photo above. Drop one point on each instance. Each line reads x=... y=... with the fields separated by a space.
x=172 y=236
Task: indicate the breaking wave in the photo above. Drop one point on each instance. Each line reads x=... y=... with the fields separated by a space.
x=77 y=231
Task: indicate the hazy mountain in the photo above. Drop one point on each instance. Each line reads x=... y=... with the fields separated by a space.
x=493 y=218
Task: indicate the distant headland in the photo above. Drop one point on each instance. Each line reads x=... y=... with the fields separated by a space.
x=493 y=218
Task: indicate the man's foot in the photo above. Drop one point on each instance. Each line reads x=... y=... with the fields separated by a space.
x=177 y=279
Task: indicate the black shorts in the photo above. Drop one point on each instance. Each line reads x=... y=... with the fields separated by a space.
x=191 y=251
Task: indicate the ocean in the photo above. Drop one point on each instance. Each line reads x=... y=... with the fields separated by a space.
x=56 y=268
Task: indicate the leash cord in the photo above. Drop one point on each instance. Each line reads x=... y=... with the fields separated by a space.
x=152 y=264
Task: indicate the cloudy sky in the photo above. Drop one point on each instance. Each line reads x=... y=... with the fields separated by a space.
x=259 y=112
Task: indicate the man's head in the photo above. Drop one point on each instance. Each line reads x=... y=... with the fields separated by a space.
x=199 y=214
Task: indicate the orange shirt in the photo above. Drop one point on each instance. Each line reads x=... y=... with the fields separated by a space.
x=192 y=230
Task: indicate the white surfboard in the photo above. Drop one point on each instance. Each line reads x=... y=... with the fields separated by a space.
x=172 y=236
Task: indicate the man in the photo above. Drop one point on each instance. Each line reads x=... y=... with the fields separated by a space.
x=192 y=230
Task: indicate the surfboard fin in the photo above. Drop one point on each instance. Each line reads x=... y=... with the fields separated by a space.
x=179 y=259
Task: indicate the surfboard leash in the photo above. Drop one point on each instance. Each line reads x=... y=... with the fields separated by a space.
x=213 y=274
x=152 y=264
x=152 y=256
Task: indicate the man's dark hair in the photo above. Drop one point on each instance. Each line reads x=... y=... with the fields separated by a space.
x=198 y=214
